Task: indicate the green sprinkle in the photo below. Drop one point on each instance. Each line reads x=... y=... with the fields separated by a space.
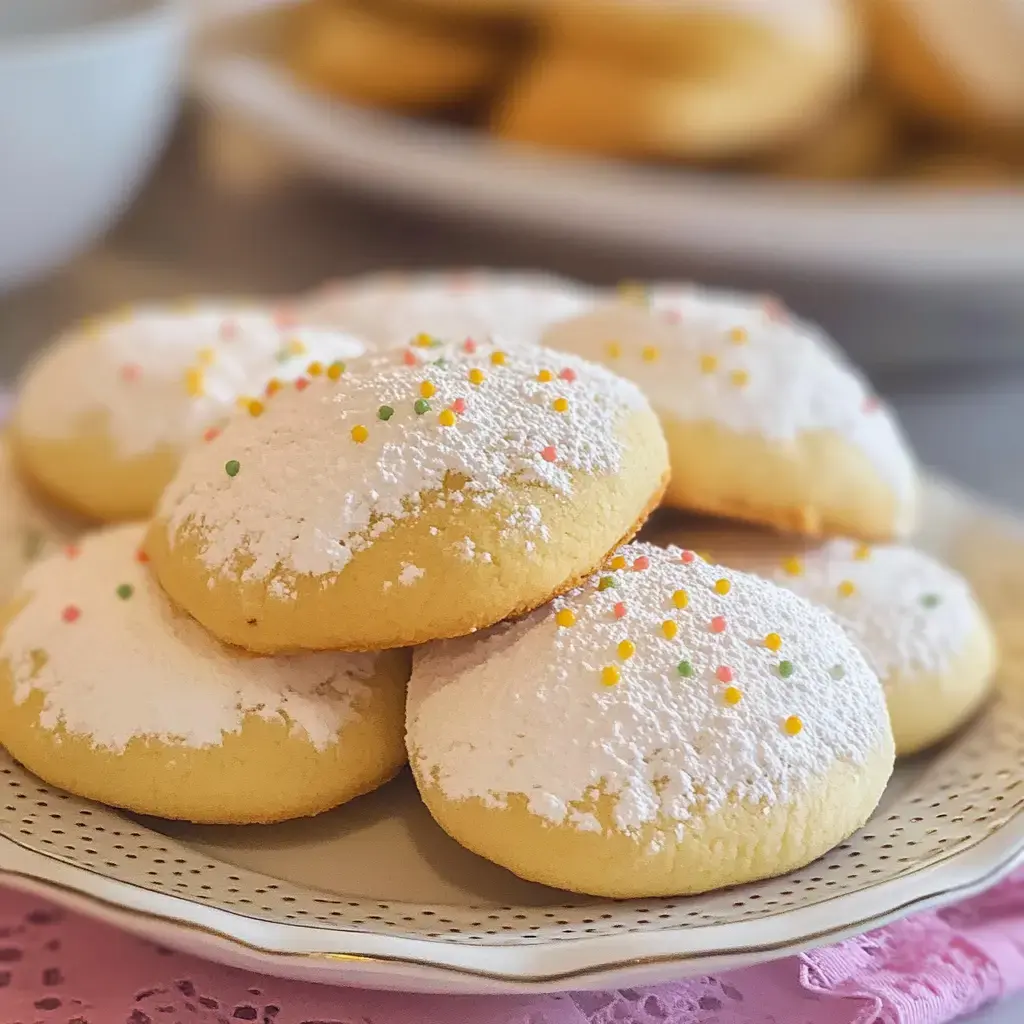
x=385 y=412
x=125 y=591
x=283 y=355
x=606 y=583
x=931 y=600
x=232 y=466
x=785 y=669
x=441 y=362
x=837 y=671
x=685 y=669
x=421 y=406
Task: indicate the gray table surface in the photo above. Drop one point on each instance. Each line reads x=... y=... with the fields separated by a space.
x=221 y=216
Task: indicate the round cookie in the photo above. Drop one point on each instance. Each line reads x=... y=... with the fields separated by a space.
x=102 y=419
x=389 y=309
x=764 y=420
x=957 y=62
x=916 y=620
x=436 y=491
x=670 y=727
x=109 y=691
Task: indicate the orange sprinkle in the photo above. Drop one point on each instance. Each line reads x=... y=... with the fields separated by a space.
x=846 y=589
x=545 y=376
x=650 y=353
x=680 y=598
x=560 y=405
x=669 y=629
x=255 y=407
x=194 y=382
x=427 y=389
x=739 y=378
x=315 y=368
x=423 y=340
x=566 y=618
x=498 y=358
x=792 y=566
x=626 y=649
x=359 y=433
x=619 y=562
x=739 y=336
x=722 y=586
x=793 y=725
x=773 y=641
x=477 y=376
x=446 y=418
x=335 y=370
x=301 y=383
x=708 y=363
x=273 y=386
x=610 y=675
x=732 y=695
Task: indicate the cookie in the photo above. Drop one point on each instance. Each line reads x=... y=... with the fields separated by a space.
x=108 y=691
x=956 y=63
x=390 y=309
x=435 y=491
x=383 y=59
x=102 y=419
x=670 y=727
x=916 y=620
x=765 y=420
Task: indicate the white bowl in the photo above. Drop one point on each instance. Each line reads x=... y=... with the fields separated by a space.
x=89 y=91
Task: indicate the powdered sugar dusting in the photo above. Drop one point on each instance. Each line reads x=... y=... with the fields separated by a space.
x=157 y=378
x=665 y=740
x=115 y=660
x=389 y=309
x=305 y=504
x=743 y=363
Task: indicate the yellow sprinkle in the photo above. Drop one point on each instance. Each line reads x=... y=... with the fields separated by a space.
x=359 y=433
x=722 y=586
x=206 y=356
x=732 y=695
x=680 y=598
x=273 y=386
x=427 y=389
x=243 y=402
x=446 y=418
x=792 y=566
x=708 y=363
x=498 y=358
x=335 y=370
x=545 y=376
x=863 y=553
x=773 y=641
x=423 y=340
x=560 y=405
x=295 y=348
x=255 y=407
x=614 y=350
x=566 y=618
x=194 y=382
x=650 y=353
x=633 y=292
x=477 y=376
x=610 y=675
x=846 y=589
x=626 y=649
x=792 y=725
x=739 y=378
x=739 y=336
x=619 y=562
x=704 y=556
x=315 y=368
x=670 y=629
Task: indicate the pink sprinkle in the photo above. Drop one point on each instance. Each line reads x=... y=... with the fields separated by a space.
x=568 y=374
x=871 y=403
x=774 y=309
x=469 y=345
x=724 y=674
x=131 y=372
x=301 y=384
x=459 y=406
x=620 y=610
x=409 y=357
x=71 y=613
x=211 y=434
x=673 y=316
x=549 y=454
x=687 y=557
x=285 y=318
x=141 y=557
x=718 y=624
x=72 y=551
x=229 y=330
x=641 y=563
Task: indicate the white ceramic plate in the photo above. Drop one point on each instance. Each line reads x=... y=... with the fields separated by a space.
x=876 y=231
x=375 y=894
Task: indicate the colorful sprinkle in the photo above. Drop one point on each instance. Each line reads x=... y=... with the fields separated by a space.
x=620 y=610
x=773 y=641
x=409 y=357
x=774 y=308
x=680 y=598
x=498 y=358
x=296 y=347
x=359 y=433
x=228 y=330
x=669 y=629
x=421 y=405
x=459 y=406
x=723 y=674
x=685 y=669
x=446 y=418
x=423 y=340
x=72 y=551
x=469 y=345
x=315 y=368
x=846 y=588
x=863 y=552
x=385 y=412
x=687 y=557
x=477 y=376
x=931 y=600
x=792 y=566
x=71 y=613
x=272 y=388
x=610 y=675
x=194 y=382
x=871 y=404
x=626 y=649
x=255 y=407
x=619 y=562
x=641 y=563
x=718 y=624
x=708 y=363
x=566 y=618
x=732 y=695
x=567 y=373
x=131 y=372
x=211 y=434
x=141 y=557
x=837 y=671
x=614 y=350
x=125 y=590
x=793 y=725
x=650 y=353
x=549 y=454
x=739 y=336
x=206 y=356
x=301 y=383
x=560 y=405
x=427 y=389
x=739 y=378
x=606 y=583
x=232 y=466
x=722 y=586
x=786 y=669
x=545 y=376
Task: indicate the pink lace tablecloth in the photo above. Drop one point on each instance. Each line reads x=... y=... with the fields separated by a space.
x=62 y=968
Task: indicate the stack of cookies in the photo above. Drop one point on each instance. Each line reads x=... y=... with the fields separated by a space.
x=352 y=542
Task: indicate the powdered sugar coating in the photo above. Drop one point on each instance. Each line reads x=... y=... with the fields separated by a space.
x=667 y=746
x=390 y=308
x=327 y=470
x=156 y=377
x=741 y=362
x=114 y=659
